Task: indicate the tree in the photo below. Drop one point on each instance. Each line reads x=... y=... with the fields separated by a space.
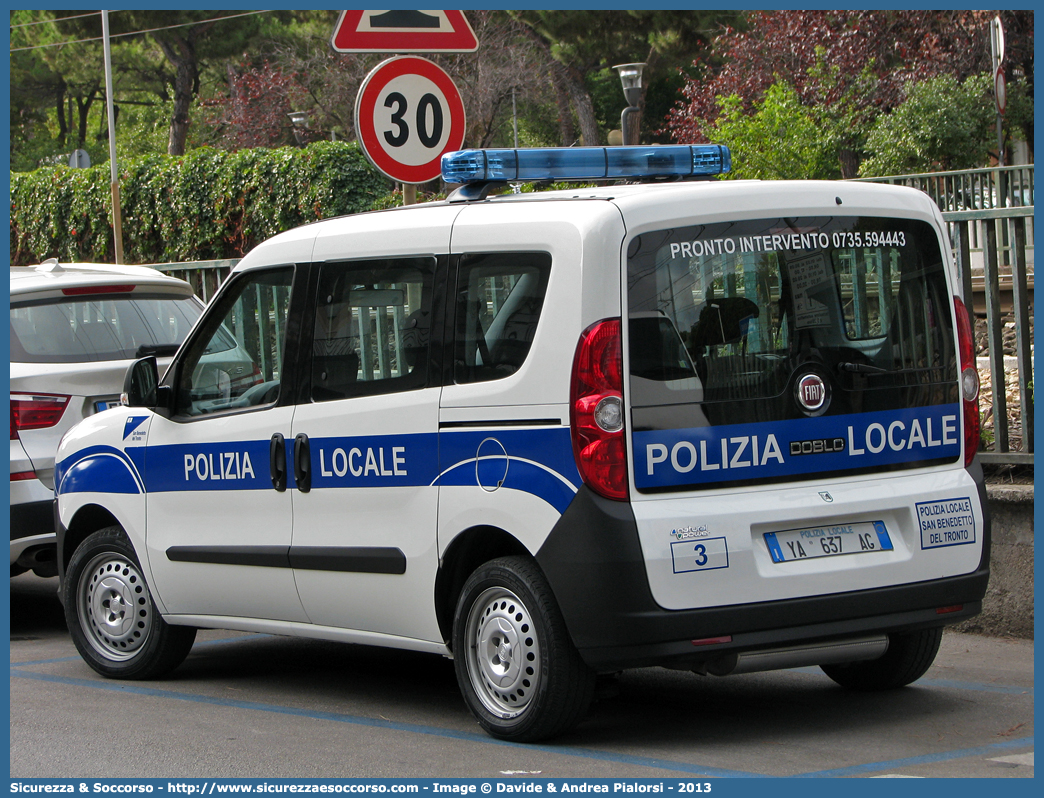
x=779 y=140
x=509 y=67
x=585 y=43
x=187 y=39
x=159 y=53
x=940 y=125
x=53 y=87
x=300 y=72
x=849 y=65
x=547 y=29
x=255 y=112
x=186 y=43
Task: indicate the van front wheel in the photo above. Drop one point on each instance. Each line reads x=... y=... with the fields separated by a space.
x=516 y=665
x=908 y=657
x=110 y=613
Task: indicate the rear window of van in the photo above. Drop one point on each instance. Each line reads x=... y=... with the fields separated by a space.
x=724 y=318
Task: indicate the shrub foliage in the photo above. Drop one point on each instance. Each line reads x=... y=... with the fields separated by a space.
x=207 y=205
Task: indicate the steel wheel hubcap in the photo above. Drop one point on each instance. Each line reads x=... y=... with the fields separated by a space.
x=503 y=653
x=115 y=607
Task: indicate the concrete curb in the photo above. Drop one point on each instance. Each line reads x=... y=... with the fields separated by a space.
x=1007 y=609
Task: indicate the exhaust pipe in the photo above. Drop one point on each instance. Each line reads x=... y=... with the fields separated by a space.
x=41 y=560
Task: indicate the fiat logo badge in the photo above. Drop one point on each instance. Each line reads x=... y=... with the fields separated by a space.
x=812 y=393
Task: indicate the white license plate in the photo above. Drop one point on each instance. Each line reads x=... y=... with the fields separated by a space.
x=105 y=404
x=828 y=541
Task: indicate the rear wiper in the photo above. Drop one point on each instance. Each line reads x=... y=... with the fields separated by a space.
x=861 y=368
x=161 y=350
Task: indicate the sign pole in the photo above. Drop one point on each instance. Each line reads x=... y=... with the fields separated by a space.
x=409 y=193
x=997 y=47
x=117 y=225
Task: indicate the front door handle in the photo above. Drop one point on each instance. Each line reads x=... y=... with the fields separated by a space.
x=302 y=463
x=277 y=461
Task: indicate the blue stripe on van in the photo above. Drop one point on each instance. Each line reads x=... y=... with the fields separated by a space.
x=781 y=449
x=535 y=461
x=99 y=469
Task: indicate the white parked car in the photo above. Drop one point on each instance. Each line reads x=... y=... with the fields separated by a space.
x=75 y=328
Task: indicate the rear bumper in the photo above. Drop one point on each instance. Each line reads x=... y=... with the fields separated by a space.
x=33 y=539
x=593 y=561
x=32 y=520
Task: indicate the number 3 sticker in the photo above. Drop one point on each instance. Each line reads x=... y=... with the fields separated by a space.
x=707 y=554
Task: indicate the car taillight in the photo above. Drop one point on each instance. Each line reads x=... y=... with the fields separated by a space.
x=35 y=411
x=969 y=380
x=596 y=413
x=83 y=290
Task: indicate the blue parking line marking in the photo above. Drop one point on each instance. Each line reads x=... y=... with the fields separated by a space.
x=474 y=737
x=657 y=764
x=983 y=688
x=950 y=684
x=45 y=662
x=197 y=644
x=17 y=670
x=943 y=756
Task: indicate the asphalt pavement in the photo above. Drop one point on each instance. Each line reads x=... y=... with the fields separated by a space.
x=261 y=706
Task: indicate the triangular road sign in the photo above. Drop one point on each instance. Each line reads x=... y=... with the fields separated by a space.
x=401 y=31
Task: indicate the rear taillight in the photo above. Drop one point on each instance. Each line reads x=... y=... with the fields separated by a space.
x=241 y=384
x=35 y=411
x=596 y=410
x=83 y=290
x=969 y=380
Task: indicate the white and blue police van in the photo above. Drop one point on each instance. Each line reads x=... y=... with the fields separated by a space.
x=718 y=426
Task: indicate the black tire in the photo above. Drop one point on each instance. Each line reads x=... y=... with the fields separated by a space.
x=111 y=615
x=516 y=665
x=908 y=657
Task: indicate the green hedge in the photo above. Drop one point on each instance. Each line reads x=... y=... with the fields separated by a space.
x=207 y=205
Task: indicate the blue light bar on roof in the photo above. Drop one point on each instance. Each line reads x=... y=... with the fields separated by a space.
x=585 y=163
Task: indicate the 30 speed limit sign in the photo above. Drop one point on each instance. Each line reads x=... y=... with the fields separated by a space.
x=408 y=113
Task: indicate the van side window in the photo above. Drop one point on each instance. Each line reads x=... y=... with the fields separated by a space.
x=498 y=302
x=372 y=327
x=237 y=360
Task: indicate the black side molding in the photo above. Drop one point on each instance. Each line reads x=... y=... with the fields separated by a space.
x=348 y=559
x=358 y=559
x=262 y=556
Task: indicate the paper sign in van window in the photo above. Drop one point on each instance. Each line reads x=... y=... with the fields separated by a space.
x=809 y=276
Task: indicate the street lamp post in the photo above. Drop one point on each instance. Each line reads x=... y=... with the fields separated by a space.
x=631 y=78
x=299 y=119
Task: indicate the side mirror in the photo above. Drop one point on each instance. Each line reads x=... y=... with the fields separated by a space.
x=139 y=386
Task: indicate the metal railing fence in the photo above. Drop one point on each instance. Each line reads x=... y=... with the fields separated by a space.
x=998 y=281
x=205 y=276
x=989 y=216
x=970 y=189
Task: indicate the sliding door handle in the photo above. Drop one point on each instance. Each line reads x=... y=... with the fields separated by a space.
x=277 y=461
x=302 y=463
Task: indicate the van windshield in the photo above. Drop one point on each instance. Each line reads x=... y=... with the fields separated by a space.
x=781 y=320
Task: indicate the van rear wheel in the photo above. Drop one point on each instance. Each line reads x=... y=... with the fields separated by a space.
x=516 y=665
x=908 y=657
x=110 y=613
